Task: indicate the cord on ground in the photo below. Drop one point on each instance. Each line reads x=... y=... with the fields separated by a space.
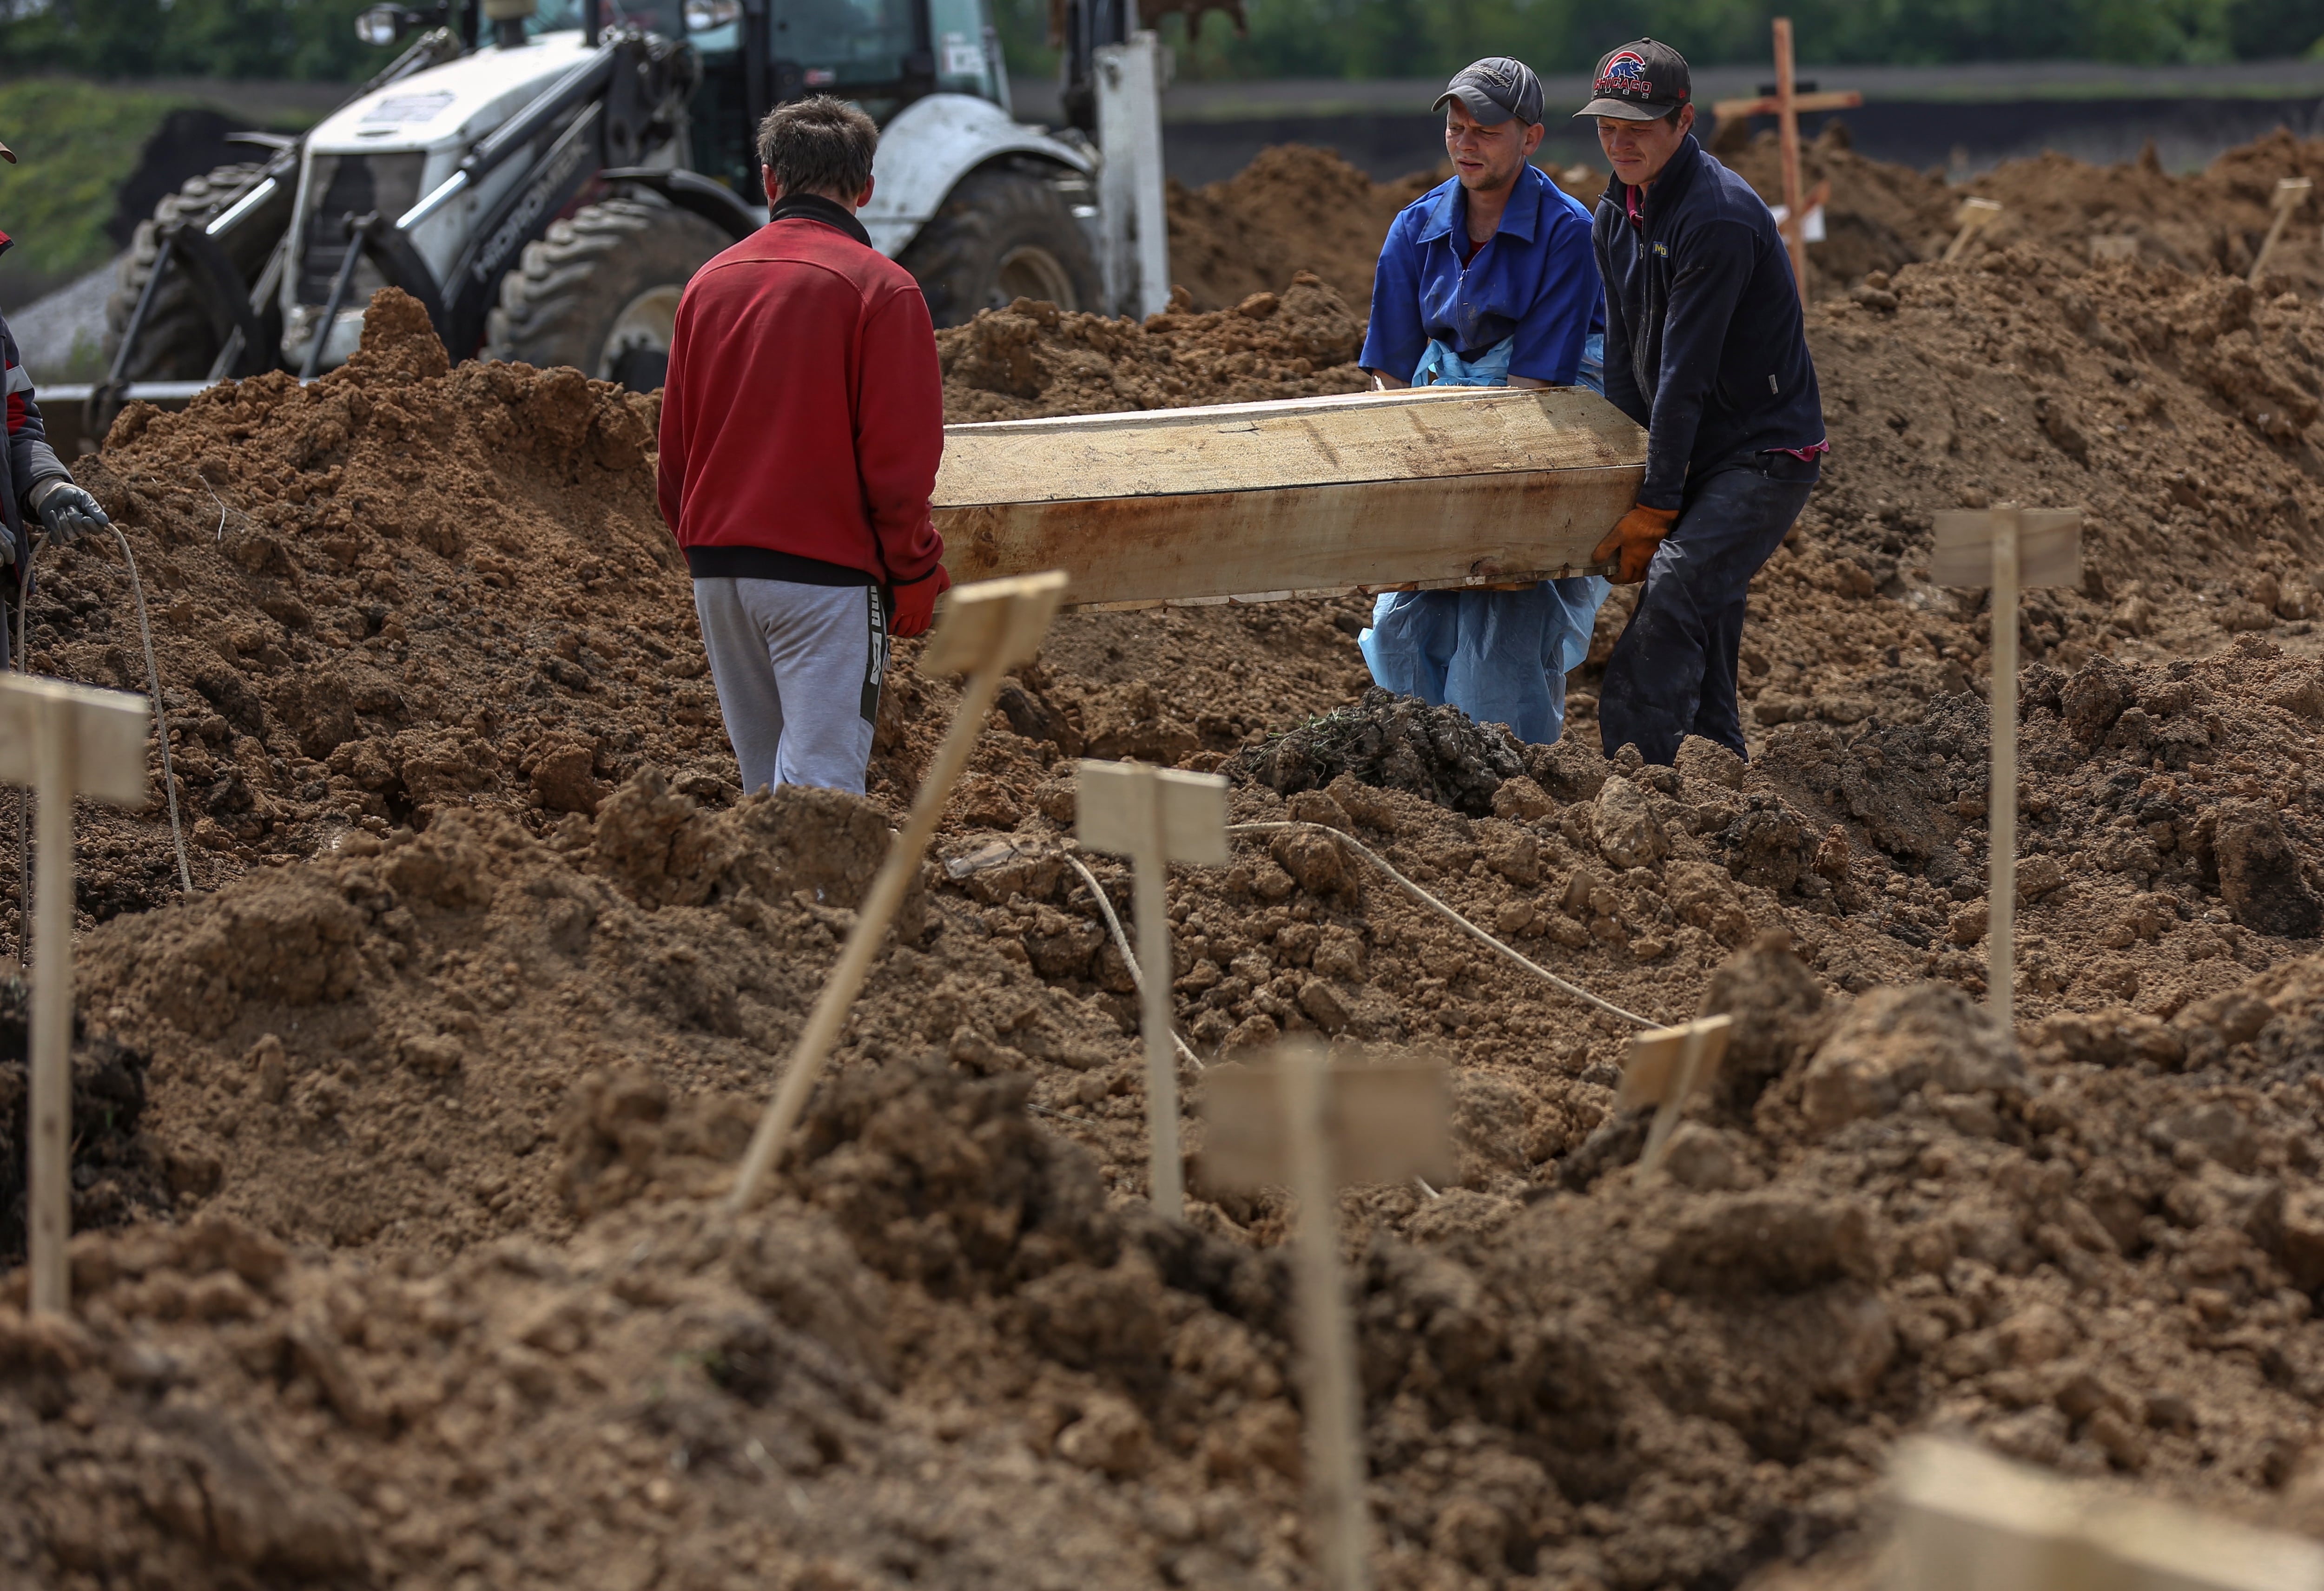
x=1455 y=918
x=1121 y=944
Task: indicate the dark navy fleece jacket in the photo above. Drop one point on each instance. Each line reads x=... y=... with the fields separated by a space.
x=1705 y=346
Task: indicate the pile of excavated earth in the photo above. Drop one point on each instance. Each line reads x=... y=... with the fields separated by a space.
x=400 y=1263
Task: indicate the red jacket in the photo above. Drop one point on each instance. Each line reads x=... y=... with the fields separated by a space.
x=802 y=414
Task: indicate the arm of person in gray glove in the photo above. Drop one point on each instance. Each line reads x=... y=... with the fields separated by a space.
x=66 y=512
x=28 y=463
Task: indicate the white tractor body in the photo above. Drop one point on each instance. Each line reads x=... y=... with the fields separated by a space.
x=406 y=139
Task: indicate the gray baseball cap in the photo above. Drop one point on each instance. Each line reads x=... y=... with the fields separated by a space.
x=1494 y=90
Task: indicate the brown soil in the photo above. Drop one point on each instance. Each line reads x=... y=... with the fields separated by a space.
x=1294 y=208
x=1882 y=216
x=434 y=1098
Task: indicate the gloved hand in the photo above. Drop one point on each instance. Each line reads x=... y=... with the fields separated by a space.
x=915 y=603
x=67 y=513
x=1641 y=531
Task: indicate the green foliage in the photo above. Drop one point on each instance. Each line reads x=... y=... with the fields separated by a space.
x=77 y=142
x=305 y=39
x=1356 y=39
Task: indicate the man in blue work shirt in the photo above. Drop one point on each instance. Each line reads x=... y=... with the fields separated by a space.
x=1488 y=281
x=1705 y=347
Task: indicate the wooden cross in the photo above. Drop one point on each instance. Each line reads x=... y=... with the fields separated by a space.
x=64 y=740
x=1307 y=1124
x=2005 y=547
x=1667 y=1066
x=1965 y=1518
x=1786 y=105
x=1154 y=816
x=985 y=630
x=1973 y=216
x=2291 y=193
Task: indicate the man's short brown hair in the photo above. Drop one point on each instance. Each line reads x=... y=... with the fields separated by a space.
x=818 y=145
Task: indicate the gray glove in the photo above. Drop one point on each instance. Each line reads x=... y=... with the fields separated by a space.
x=67 y=513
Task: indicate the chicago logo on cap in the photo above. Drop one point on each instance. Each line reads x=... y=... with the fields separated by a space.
x=1626 y=74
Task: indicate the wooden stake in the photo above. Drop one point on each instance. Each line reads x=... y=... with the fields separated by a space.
x=2018 y=547
x=986 y=629
x=1968 y=1519
x=2291 y=193
x=1154 y=816
x=1974 y=216
x=1314 y=1127
x=1787 y=132
x=1336 y=1455
x=2001 y=798
x=1665 y=1069
x=64 y=740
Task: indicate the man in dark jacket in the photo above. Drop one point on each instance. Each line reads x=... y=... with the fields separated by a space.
x=33 y=481
x=802 y=421
x=1705 y=347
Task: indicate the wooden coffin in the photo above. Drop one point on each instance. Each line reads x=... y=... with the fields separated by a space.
x=1439 y=487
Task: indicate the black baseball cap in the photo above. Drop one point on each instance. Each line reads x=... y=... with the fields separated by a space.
x=1642 y=81
x=1494 y=90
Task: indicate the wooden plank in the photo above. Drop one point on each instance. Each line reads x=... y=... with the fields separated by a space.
x=1374 y=489
x=1384 y=1123
x=108 y=732
x=2049 y=548
x=1652 y=1073
x=1768 y=105
x=1965 y=1518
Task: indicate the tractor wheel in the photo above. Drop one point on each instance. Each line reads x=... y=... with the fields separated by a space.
x=1000 y=235
x=600 y=291
x=179 y=343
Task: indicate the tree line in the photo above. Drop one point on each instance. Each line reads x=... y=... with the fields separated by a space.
x=315 y=39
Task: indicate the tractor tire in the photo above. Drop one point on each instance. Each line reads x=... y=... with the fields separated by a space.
x=1001 y=235
x=179 y=343
x=600 y=291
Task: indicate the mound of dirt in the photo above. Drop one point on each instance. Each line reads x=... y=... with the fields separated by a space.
x=1883 y=217
x=2092 y=1265
x=1293 y=208
x=1032 y=359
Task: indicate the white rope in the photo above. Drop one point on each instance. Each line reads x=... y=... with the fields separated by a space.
x=1455 y=918
x=161 y=713
x=1121 y=944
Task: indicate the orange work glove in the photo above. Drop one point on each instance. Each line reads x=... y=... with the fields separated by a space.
x=1641 y=531
x=916 y=603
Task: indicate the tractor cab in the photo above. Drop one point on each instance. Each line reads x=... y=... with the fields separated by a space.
x=884 y=55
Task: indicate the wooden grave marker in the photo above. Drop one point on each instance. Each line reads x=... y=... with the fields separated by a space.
x=1667 y=1066
x=1968 y=1519
x=1305 y=1122
x=2290 y=194
x=64 y=740
x=1973 y=216
x=1786 y=105
x=984 y=630
x=1154 y=816
x=2005 y=547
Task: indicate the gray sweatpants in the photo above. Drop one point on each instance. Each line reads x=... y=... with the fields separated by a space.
x=797 y=669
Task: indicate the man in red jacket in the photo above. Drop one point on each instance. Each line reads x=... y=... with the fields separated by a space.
x=801 y=425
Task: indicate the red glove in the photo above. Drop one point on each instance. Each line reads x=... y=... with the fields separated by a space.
x=1641 y=531
x=916 y=602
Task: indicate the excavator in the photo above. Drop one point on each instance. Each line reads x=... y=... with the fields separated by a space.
x=545 y=175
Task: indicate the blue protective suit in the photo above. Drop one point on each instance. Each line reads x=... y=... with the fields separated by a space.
x=1501 y=657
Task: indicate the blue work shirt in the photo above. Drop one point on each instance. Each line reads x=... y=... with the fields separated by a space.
x=1536 y=280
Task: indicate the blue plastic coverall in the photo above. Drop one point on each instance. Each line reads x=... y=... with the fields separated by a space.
x=1527 y=303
